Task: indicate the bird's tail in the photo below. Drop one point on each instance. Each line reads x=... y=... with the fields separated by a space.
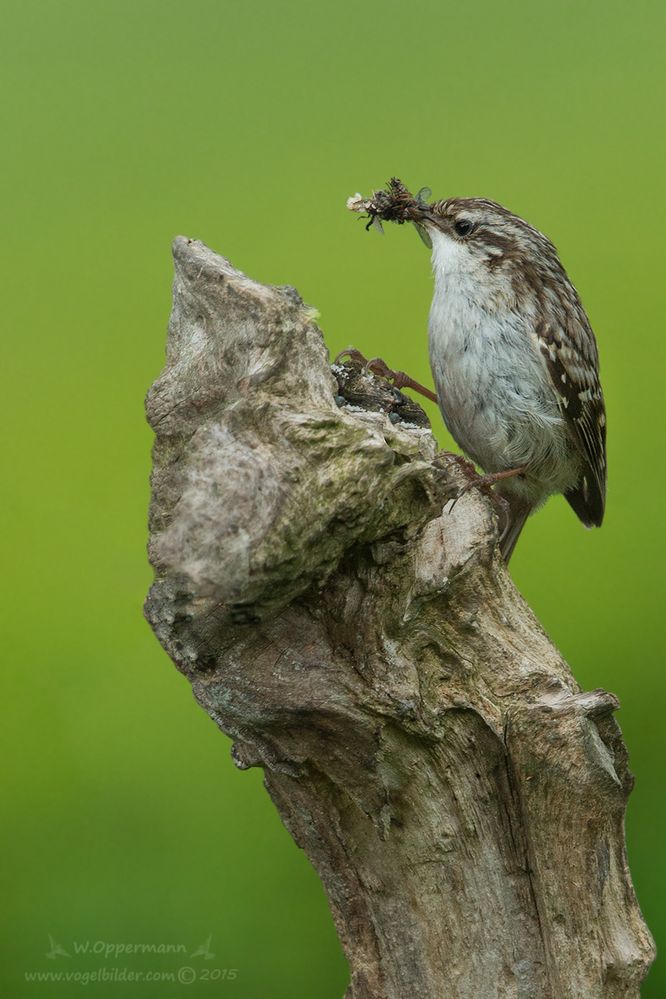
x=519 y=511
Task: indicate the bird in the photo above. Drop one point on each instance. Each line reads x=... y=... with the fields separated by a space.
x=513 y=357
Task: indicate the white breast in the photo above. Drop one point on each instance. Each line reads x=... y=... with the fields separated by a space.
x=494 y=390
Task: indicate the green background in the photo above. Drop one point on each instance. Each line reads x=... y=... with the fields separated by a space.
x=247 y=125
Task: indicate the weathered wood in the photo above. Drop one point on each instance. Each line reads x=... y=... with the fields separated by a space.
x=360 y=640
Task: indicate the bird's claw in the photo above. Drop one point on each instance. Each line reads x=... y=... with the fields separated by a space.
x=376 y=365
x=353 y=354
x=484 y=483
x=501 y=505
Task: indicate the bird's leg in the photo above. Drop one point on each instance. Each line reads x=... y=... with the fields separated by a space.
x=484 y=482
x=379 y=367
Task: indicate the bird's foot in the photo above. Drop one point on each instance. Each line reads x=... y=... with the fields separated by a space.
x=484 y=483
x=379 y=367
x=353 y=354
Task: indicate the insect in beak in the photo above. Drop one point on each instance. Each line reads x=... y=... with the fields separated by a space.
x=423 y=234
x=374 y=223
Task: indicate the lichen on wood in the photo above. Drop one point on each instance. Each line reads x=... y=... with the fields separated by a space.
x=358 y=636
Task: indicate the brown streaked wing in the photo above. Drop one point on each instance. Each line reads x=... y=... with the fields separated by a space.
x=572 y=362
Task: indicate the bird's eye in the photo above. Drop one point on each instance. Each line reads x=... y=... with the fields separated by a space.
x=463 y=227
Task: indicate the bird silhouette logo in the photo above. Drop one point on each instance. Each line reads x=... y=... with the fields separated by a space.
x=203 y=950
x=56 y=950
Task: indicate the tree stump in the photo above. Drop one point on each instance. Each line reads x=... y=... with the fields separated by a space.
x=358 y=636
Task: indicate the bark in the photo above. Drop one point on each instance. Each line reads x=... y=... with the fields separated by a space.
x=362 y=641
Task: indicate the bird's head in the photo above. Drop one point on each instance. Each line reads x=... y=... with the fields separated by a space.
x=475 y=234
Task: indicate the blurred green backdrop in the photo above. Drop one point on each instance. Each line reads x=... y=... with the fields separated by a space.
x=247 y=125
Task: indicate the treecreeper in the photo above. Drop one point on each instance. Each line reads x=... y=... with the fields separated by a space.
x=512 y=354
x=339 y=602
